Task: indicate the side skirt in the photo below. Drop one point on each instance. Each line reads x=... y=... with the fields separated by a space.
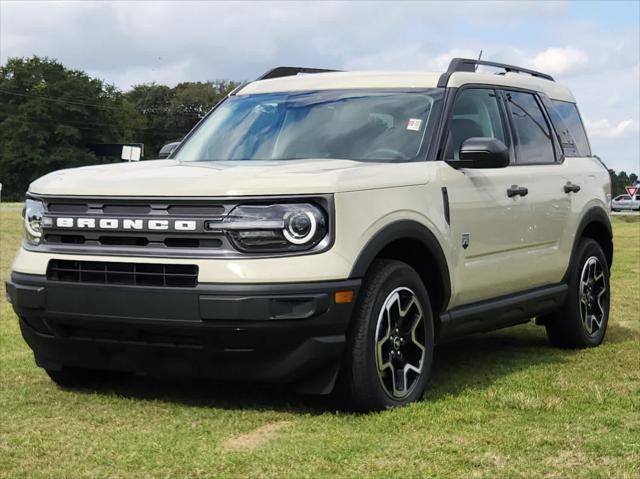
x=501 y=312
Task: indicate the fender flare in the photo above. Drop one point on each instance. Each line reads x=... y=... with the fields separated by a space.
x=594 y=214
x=403 y=230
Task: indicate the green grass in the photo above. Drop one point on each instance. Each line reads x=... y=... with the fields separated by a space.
x=502 y=404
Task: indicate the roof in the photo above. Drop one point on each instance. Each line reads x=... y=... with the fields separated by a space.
x=552 y=89
x=381 y=79
x=342 y=80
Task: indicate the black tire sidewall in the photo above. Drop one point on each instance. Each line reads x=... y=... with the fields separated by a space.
x=586 y=249
x=389 y=276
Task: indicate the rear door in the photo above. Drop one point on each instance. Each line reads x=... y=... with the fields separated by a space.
x=540 y=166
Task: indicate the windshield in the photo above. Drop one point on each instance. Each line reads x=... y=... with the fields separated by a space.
x=348 y=124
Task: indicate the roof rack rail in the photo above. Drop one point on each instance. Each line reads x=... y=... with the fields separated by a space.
x=291 y=71
x=470 y=65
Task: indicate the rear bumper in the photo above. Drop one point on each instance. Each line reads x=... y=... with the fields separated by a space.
x=268 y=333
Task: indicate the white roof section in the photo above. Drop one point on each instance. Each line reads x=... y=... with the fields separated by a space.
x=552 y=89
x=342 y=80
x=381 y=79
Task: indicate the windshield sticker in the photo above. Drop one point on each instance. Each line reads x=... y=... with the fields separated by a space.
x=414 y=124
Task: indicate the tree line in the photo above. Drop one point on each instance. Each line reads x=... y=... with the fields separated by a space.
x=50 y=114
x=620 y=180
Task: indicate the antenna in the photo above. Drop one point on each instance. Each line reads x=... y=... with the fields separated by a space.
x=479 y=58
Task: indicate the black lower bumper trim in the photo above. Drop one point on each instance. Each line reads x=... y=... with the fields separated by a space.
x=271 y=333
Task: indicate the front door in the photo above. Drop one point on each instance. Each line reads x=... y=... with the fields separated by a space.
x=489 y=223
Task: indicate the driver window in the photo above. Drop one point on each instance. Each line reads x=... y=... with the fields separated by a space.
x=475 y=114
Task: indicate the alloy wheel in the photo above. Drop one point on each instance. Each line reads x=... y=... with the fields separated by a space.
x=593 y=294
x=400 y=342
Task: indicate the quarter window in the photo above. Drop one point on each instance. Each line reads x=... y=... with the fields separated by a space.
x=534 y=143
x=475 y=114
x=571 y=121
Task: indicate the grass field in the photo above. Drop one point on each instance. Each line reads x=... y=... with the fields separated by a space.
x=503 y=404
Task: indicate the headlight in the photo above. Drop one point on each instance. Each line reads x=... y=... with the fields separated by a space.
x=274 y=228
x=33 y=211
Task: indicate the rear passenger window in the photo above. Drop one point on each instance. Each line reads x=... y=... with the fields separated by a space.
x=534 y=143
x=568 y=113
x=475 y=114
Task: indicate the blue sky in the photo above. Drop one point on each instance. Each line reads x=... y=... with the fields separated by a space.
x=593 y=47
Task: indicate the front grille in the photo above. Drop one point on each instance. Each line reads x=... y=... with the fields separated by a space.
x=151 y=227
x=141 y=241
x=211 y=243
x=139 y=335
x=132 y=274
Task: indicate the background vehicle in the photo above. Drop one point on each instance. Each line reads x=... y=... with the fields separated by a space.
x=326 y=229
x=625 y=202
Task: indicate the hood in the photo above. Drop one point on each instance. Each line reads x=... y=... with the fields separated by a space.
x=228 y=178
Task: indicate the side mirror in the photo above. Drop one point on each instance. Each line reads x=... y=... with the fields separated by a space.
x=167 y=149
x=480 y=152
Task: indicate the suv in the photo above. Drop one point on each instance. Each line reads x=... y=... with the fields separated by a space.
x=625 y=202
x=325 y=229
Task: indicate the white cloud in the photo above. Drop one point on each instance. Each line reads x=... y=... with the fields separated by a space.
x=125 y=43
x=416 y=57
x=605 y=128
x=242 y=39
x=560 y=60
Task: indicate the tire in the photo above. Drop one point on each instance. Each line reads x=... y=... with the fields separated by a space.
x=377 y=352
x=588 y=297
x=77 y=377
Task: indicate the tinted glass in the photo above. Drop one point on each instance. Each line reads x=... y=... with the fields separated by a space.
x=534 y=143
x=349 y=124
x=571 y=121
x=475 y=114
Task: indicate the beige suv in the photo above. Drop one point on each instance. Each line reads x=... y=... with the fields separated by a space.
x=327 y=230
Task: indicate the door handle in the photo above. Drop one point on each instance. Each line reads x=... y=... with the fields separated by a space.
x=571 y=188
x=516 y=190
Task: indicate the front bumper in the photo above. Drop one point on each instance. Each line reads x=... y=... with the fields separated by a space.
x=281 y=333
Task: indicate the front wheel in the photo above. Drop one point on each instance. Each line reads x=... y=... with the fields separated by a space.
x=390 y=342
x=582 y=321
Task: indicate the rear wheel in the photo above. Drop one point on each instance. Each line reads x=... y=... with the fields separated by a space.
x=390 y=342
x=582 y=320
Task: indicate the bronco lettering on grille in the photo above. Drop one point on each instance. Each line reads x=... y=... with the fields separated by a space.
x=126 y=224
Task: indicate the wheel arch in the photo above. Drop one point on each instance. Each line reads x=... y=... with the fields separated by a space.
x=595 y=224
x=414 y=244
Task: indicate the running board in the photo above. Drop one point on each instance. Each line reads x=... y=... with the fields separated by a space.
x=501 y=312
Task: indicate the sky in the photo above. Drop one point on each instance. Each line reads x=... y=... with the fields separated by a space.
x=592 y=47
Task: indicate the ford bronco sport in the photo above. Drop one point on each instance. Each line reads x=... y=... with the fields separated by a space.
x=325 y=229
